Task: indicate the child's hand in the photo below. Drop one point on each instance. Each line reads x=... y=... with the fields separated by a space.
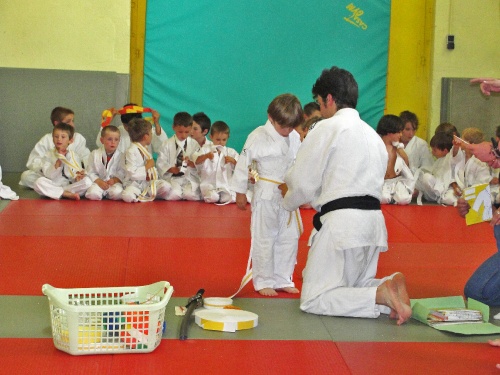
x=150 y=163
x=463 y=207
x=102 y=184
x=156 y=116
x=58 y=163
x=494 y=181
x=284 y=188
x=229 y=159
x=241 y=201
x=174 y=170
x=79 y=175
x=190 y=164
x=456 y=189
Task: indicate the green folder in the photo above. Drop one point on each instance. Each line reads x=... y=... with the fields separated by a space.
x=422 y=307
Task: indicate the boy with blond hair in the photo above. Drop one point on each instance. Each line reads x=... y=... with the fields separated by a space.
x=78 y=145
x=63 y=175
x=216 y=165
x=143 y=183
x=470 y=171
x=275 y=231
x=106 y=167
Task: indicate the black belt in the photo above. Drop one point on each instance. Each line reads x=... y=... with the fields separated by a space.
x=365 y=202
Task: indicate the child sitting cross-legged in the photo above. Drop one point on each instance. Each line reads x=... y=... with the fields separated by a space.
x=142 y=183
x=106 y=167
x=63 y=175
x=216 y=165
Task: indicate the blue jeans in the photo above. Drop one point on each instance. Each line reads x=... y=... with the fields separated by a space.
x=484 y=284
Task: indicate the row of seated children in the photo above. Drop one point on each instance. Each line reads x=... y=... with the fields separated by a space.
x=130 y=173
x=442 y=181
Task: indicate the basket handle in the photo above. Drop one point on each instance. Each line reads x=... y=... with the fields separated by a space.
x=46 y=288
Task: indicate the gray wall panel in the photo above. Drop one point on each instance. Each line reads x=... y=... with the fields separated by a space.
x=27 y=97
x=463 y=105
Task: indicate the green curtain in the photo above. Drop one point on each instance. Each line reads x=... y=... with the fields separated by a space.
x=229 y=59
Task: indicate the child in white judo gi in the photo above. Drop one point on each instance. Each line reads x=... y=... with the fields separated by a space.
x=34 y=164
x=415 y=147
x=469 y=170
x=435 y=184
x=275 y=231
x=5 y=191
x=142 y=182
x=175 y=160
x=399 y=182
x=106 y=167
x=201 y=128
x=159 y=135
x=216 y=165
x=62 y=169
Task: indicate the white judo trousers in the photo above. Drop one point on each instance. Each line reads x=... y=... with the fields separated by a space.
x=341 y=282
x=275 y=233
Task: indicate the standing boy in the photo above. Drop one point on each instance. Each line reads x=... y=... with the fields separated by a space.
x=142 y=182
x=63 y=175
x=175 y=163
x=34 y=164
x=106 y=167
x=216 y=165
x=340 y=169
x=275 y=231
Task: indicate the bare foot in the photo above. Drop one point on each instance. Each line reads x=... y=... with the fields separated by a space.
x=400 y=281
x=387 y=294
x=68 y=195
x=270 y=292
x=289 y=289
x=495 y=342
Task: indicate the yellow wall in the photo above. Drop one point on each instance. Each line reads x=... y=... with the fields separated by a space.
x=409 y=60
x=95 y=35
x=476 y=26
x=89 y=35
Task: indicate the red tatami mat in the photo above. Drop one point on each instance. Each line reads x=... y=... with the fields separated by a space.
x=26 y=263
x=39 y=356
x=434 y=269
x=432 y=223
x=419 y=358
x=118 y=219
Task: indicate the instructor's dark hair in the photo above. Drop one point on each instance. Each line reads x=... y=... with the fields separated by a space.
x=340 y=84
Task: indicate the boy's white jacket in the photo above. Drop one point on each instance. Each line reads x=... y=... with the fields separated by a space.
x=216 y=171
x=56 y=174
x=167 y=156
x=46 y=143
x=96 y=167
x=273 y=154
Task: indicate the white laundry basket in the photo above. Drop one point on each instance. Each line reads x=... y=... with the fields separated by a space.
x=108 y=320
